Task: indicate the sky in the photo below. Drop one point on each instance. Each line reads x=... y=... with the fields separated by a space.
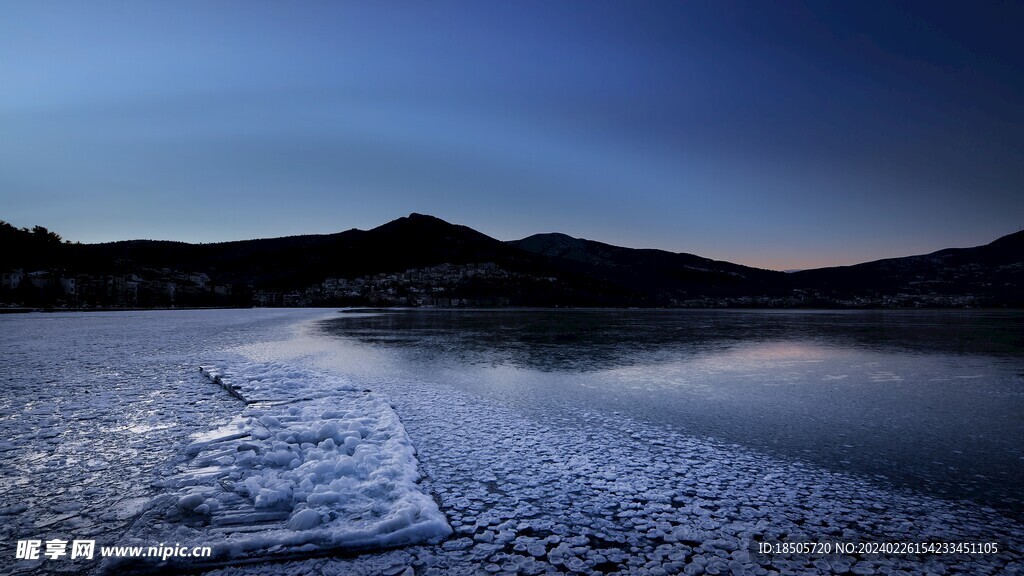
x=783 y=135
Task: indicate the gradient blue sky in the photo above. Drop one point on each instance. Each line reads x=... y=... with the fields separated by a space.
x=776 y=134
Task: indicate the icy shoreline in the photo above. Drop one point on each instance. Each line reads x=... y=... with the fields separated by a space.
x=312 y=465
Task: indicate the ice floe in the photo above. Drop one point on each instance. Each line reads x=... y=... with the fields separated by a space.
x=312 y=465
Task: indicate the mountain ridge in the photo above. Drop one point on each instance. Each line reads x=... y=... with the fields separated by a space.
x=550 y=269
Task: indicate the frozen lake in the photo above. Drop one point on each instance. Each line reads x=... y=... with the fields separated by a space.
x=932 y=400
x=583 y=441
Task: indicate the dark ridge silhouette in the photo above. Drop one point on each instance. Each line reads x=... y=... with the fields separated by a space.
x=993 y=273
x=661 y=275
x=475 y=269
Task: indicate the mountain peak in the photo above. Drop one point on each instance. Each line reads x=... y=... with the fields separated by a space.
x=553 y=239
x=415 y=220
x=423 y=218
x=558 y=245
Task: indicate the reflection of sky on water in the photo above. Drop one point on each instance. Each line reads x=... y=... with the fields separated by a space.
x=928 y=399
x=586 y=340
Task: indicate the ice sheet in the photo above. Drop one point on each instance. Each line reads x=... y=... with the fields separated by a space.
x=312 y=465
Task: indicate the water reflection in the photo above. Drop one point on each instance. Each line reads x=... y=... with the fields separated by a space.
x=582 y=340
